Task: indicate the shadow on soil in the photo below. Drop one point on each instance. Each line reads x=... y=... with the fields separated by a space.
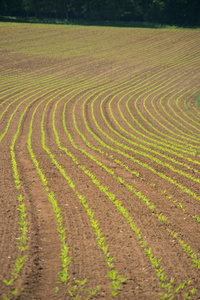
x=87 y=22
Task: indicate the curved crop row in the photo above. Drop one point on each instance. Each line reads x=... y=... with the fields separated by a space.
x=103 y=135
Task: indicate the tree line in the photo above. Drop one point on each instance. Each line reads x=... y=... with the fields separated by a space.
x=172 y=12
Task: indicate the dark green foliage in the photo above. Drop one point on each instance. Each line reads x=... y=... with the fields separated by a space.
x=172 y=12
x=198 y=100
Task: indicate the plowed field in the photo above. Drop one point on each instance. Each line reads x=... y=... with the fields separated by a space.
x=99 y=162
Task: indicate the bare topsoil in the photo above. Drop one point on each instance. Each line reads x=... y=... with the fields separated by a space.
x=100 y=107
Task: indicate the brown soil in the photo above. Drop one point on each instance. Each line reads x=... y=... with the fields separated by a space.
x=128 y=97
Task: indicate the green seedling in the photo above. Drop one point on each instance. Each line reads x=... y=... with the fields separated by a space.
x=161 y=217
x=152 y=185
x=14 y=291
x=93 y=292
x=181 y=206
x=187 y=249
x=196 y=218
